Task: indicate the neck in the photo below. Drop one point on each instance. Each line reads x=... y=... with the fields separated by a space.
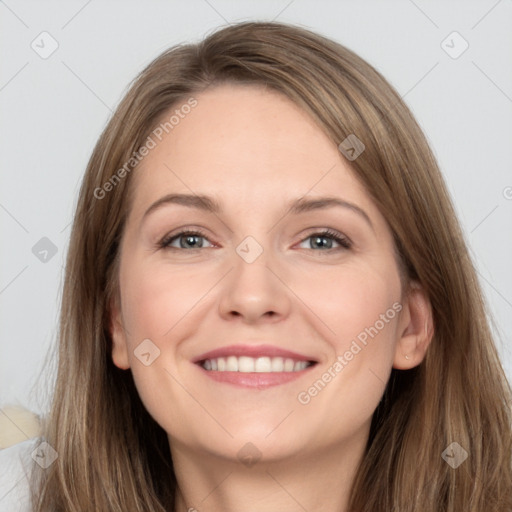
x=319 y=480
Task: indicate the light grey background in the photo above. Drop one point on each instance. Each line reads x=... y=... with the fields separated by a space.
x=53 y=110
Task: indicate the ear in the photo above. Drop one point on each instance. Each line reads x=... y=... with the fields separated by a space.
x=416 y=329
x=118 y=335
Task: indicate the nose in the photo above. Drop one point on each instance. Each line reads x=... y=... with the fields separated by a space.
x=255 y=291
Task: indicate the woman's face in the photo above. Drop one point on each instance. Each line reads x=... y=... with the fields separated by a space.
x=261 y=285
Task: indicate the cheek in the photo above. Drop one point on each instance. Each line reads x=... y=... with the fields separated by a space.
x=360 y=307
x=365 y=317
x=353 y=301
x=155 y=299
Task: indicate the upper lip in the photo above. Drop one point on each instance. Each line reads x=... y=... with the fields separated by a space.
x=252 y=351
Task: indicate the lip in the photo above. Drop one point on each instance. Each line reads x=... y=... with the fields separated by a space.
x=252 y=351
x=253 y=380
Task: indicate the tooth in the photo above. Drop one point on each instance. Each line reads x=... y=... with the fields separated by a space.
x=263 y=365
x=245 y=364
x=277 y=364
x=288 y=365
x=232 y=364
x=249 y=364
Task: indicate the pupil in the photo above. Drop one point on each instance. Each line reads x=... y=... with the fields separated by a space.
x=319 y=244
x=191 y=239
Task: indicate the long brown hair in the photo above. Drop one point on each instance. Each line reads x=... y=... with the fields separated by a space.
x=114 y=457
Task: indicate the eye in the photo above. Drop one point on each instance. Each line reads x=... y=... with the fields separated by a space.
x=189 y=239
x=186 y=239
x=317 y=240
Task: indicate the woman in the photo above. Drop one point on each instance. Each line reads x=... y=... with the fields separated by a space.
x=269 y=304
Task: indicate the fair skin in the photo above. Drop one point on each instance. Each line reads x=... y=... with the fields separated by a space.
x=254 y=151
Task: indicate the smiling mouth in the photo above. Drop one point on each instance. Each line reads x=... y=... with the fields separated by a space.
x=245 y=364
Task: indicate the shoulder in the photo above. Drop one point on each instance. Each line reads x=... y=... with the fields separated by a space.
x=15 y=468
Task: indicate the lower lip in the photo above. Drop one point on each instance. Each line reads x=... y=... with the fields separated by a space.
x=254 y=380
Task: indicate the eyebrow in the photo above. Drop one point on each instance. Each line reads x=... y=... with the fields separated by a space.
x=297 y=206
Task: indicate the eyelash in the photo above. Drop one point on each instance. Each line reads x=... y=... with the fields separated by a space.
x=344 y=242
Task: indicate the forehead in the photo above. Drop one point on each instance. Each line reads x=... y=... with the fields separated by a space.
x=244 y=143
